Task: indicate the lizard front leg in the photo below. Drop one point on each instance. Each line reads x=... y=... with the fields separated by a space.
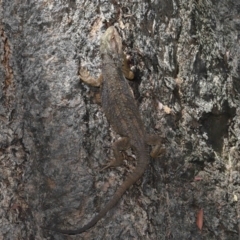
x=118 y=146
x=87 y=78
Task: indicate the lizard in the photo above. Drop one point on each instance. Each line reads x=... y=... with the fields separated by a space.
x=122 y=113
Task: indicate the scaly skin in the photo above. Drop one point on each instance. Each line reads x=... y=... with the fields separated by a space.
x=123 y=115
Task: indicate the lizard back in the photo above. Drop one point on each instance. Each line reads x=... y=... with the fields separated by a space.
x=119 y=104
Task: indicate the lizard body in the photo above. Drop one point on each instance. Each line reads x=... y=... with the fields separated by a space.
x=123 y=115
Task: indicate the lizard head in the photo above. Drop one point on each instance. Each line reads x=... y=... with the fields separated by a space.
x=111 y=43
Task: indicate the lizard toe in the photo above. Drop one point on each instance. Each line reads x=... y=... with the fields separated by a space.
x=112 y=163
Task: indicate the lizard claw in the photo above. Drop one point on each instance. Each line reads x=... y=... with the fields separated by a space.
x=105 y=167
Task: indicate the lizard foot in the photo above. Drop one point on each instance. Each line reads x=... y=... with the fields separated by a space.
x=83 y=73
x=157 y=151
x=112 y=163
x=87 y=78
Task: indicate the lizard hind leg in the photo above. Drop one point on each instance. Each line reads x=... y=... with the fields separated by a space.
x=157 y=141
x=118 y=146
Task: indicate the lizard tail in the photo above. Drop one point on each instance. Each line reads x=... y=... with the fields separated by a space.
x=130 y=180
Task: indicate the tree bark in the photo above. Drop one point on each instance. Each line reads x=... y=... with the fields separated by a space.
x=54 y=137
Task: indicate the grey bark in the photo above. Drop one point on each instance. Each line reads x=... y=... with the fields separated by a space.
x=54 y=137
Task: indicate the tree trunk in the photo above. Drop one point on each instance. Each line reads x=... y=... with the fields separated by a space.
x=55 y=138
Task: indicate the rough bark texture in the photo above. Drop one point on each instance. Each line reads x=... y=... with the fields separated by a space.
x=54 y=137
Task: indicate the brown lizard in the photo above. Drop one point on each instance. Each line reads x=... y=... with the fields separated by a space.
x=123 y=115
